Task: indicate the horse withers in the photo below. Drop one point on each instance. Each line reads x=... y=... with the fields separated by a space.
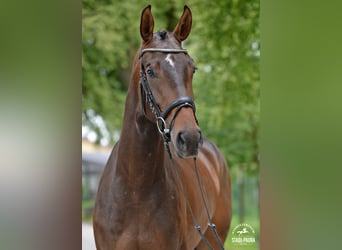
x=149 y=196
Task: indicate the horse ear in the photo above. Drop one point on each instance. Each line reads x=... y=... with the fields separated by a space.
x=146 y=24
x=183 y=27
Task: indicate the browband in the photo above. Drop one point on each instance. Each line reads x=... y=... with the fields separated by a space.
x=162 y=50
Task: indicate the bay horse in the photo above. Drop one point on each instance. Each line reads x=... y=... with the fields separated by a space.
x=148 y=196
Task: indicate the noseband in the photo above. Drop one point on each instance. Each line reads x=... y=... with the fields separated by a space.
x=161 y=115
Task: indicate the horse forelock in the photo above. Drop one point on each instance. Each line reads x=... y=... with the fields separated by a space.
x=162 y=34
x=162 y=39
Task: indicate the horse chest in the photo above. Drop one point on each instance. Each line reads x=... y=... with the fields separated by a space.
x=147 y=226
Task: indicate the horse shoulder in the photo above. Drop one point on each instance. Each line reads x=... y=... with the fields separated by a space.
x=213 y=161
x=105 y=204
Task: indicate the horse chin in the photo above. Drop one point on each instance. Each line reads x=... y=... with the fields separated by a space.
x=186 y=154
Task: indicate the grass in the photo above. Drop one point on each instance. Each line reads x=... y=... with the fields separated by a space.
x=255 y=223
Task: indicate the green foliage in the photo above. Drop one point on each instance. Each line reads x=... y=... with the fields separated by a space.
x=254 y=222
x=106 y=40
x=227 y=82
x=224 y=44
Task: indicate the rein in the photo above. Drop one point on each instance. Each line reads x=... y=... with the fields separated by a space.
x=161 y=116
x=164 y=130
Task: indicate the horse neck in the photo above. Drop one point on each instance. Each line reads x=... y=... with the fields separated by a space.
x=141 y=152
x=143 y=166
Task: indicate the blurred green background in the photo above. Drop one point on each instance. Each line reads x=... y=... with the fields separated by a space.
x=225 y=46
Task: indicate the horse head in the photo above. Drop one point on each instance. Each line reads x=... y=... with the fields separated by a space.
x=166 y=72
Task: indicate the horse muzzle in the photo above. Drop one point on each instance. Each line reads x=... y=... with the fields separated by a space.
x=188 y=142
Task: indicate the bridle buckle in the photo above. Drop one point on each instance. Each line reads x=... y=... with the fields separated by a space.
x=161 y=125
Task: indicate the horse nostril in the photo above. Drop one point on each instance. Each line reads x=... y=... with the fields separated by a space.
x=181 y=139
x=188 y=143
x=186 y=139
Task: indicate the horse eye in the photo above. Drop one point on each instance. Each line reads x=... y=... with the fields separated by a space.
x=194 y=70
x=150 y=72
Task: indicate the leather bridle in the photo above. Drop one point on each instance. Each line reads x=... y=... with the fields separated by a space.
x=161 y=115
x=164 y=130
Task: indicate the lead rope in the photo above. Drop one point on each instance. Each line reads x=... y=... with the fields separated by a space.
x=210 y=224
x=197 y=227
